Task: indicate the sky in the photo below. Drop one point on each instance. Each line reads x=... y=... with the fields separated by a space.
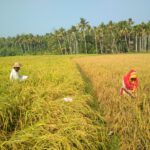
x=45 y=16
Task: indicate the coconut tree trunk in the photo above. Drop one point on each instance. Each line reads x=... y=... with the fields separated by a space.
x=69 y=43
x=113 y=45
x=101 y=47
x=85 y=44
x=147 y=40
x=60 y=47
x=136 y=42
x=125 y=37
x=129 y=42
x=76 y=44
x=95 y=43
x=66 y=48
x=140 y=43
x=144 y=43
x=77 y=47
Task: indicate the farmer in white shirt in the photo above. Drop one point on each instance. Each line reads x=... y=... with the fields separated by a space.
x=14 y=75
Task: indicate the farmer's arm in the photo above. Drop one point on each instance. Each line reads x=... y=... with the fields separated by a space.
x=132 y=94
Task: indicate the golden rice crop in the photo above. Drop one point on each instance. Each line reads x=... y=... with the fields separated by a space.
x=126 y=119
x=33 y=114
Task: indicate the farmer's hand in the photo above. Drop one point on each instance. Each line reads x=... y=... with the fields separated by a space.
x=134 y=94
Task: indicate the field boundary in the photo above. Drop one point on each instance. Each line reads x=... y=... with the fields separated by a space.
x=89 y=89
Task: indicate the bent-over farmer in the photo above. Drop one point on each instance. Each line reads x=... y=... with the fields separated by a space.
x=130 y=84
x=14 y=75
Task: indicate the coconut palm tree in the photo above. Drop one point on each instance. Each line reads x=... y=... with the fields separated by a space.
x=101 y=32
x=95 y=30
x=83 y=27
x=74 y=35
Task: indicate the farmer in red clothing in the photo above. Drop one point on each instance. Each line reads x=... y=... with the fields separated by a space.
x=130 y=84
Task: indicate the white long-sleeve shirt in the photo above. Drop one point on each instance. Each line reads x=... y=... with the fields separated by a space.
x=14 y=75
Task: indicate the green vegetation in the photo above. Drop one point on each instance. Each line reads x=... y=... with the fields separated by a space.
x=120 y=37
x=33 y=114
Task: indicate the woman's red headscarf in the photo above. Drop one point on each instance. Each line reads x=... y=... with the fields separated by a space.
x=129 y=85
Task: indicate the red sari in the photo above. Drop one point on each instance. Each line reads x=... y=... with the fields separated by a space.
x=127 y=84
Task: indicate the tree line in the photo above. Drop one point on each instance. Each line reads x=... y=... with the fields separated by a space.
x=120 y=37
